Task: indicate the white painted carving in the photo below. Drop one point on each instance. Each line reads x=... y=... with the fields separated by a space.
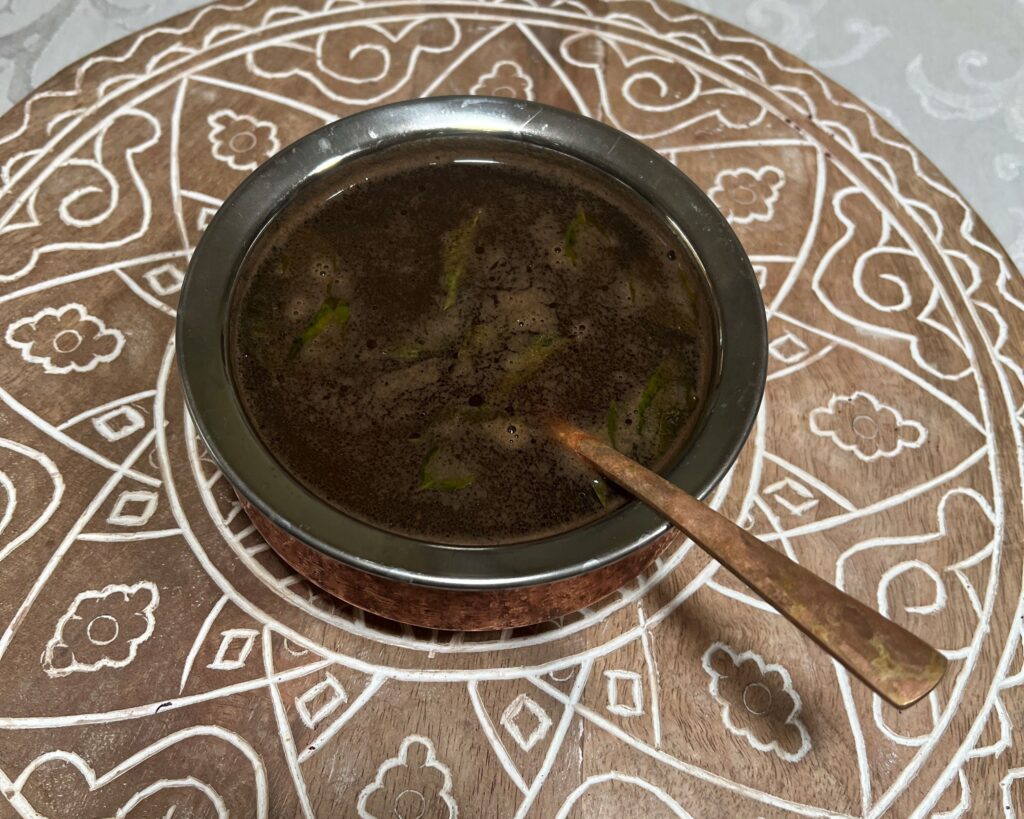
x=165 y=279
x=747 y=195
x=788 y=348
x=65 y=339
x=625 y=693
x=506 y=79
x=102 y=629
x=234 y=649
x=324 y=698
x=174 y=786
x=748 y=691
x=523 y=709
x=1006 y=787
x=119 y=422
x=240 y=141
x=99 y=197
x=407 y=785
x=294 y=649
x=44 y=471
x=792 y=496
x=626 y=779
x=133 y=507
x=206 y=214
x=861 y=424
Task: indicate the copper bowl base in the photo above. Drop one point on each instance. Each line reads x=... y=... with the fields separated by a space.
x=454 y=609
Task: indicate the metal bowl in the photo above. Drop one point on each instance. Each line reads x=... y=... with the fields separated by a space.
x=444 y=586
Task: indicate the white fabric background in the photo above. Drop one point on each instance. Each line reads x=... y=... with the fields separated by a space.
x=948 y=73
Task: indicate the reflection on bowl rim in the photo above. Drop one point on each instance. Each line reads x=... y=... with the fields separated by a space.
x=729 y=410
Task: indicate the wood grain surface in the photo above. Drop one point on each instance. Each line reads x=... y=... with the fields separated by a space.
x=158 y=659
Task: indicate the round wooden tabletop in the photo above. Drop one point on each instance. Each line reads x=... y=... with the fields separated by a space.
x=157 y=659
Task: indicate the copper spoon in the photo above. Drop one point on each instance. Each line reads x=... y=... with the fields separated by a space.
x=886 y=657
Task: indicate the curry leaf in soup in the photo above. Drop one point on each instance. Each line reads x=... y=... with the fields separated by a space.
x=529 y=362
x=655 y=384
x=438 y=477
x=675 y=415
x=612 y=423
x=407 y=352
x=601 y=490
x=667 y=402
x=333 y=312
x=479 y=338
x=670 y=421
x=455 y=256
x=572 y=234
x=581 y=223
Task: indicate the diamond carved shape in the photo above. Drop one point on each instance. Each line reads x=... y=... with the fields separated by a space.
x=526 y=722
x=133 y=508
x=792 y=496
x=234 y=649
x=320 y=700
x=788 y=348
x=206 y=215
x=625 y=693
x=119 y=423
x=165 y=279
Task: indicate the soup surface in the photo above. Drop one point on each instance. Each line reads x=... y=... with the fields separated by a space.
x=400 y=334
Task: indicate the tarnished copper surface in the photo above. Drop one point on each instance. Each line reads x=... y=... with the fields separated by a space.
x=896 y=664
x=455 y=609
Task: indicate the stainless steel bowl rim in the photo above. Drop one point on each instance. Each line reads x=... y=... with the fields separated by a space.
x=202 y=359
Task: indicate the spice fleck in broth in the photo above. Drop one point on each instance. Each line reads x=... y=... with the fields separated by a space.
x=399 y=335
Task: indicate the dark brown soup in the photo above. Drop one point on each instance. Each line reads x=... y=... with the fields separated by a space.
x=399 y=334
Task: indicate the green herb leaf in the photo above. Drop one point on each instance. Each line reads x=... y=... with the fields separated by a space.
x=448 y=484
x=407 y=352
x=601 y=489
x=581 y=223
x=479 y=338
x=457 y=244
x=673 y=418
x=333 y=312
x=612 y=423
x=528 y=363
x=666 y=404
x=572 y=233
x=655 y=384
x=429 y=480
x=670 y=421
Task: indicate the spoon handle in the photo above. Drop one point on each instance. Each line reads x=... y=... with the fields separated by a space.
x=897 y=665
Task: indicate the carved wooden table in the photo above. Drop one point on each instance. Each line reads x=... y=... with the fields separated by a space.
x=157 y=660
